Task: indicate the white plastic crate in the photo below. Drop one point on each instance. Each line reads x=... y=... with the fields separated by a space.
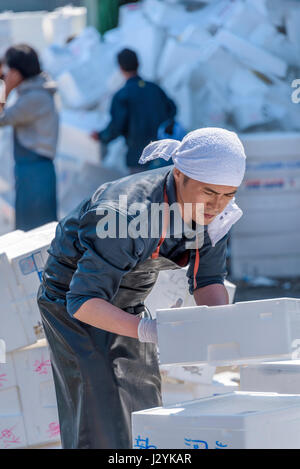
x=237 y=420
x=230 y=334
x=282 y=377
x=37 y=393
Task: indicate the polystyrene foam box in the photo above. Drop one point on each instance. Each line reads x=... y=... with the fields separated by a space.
x=12 y=432
x=237 y=420
x=282 y=377
x=238 y=333
x=171 y=286
x=16 y=328
x=74 y=135
x=7 y=373
x=252 y=56
x=172 y=393
x=35 y=380
x=27 y=259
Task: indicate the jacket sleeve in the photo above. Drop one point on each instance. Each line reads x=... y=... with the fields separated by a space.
x=119 y=120
x=104 y=261
x=212 y=265
x=170 y=106
x=25 y=110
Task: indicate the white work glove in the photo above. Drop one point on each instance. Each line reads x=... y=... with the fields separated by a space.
x=147 y=330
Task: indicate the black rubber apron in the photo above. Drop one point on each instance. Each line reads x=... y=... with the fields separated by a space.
x=101 y=378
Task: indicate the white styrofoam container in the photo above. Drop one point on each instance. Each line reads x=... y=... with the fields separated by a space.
x=282 y=377
x=16 y=326
x=254 y=57
x=12 y=431
x=74 y=136
x=7 y=373
x=281 y=266
x=172 y=393
x=37 y=393
x=191 y=374
x=230 y=334
x=236 y=420
x=171 y=286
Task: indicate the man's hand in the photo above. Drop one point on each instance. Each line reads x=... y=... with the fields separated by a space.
x=95 y=136
x=147 y=330
x=211 y=295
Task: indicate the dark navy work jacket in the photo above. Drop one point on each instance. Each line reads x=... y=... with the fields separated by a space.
x=137 y=110
x=85 y=266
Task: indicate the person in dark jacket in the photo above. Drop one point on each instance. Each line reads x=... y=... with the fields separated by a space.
x=103 y=263
x=35 y=122
x=137 y=111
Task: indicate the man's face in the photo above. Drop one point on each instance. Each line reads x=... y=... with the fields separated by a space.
x=208 y=200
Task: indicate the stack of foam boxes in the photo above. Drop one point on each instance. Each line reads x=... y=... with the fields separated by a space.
x=28 y=410
x=242 y=333
x=266 y=240
x=184 y=383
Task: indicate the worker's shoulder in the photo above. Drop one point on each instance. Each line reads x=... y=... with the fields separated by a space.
x=123 y=194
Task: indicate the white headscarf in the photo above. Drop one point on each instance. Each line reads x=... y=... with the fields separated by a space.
x=212 y=155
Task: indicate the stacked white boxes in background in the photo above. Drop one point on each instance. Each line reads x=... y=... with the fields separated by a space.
x=282 y=377
x=266 y=240
x=12 y=427
x=40 y=28
x=28 y=411
x=21 y=265
x=233 y=334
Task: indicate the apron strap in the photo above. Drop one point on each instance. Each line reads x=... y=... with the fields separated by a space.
x=155 y=254
x=196 y=267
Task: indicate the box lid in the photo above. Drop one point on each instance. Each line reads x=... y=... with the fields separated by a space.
x=233 y=411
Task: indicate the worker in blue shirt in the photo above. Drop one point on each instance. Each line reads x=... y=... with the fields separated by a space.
x=103 y=263
x=137 y=111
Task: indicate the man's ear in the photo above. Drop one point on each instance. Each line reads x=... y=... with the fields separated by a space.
x=176 y=173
